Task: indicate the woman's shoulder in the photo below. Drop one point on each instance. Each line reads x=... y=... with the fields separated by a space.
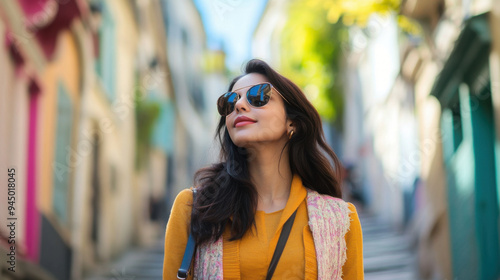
x=352 y=208
x=183 y=201
x=353 y=212
x=355 y=230
x=185 y=196
x=314 y=195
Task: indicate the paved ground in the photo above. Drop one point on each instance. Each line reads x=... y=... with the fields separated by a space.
x=387 y=255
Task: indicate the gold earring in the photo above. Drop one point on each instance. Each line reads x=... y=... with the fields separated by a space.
x=290 y=135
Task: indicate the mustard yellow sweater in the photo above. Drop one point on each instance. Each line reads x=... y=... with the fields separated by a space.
x=256 y=248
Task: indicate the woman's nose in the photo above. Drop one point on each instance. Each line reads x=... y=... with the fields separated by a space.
x=241 y=104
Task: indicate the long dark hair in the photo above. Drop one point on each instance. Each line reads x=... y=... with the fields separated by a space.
x=225 y=194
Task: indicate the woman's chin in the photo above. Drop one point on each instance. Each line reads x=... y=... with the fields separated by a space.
x=244 y=142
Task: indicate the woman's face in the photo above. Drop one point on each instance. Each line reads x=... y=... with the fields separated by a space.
x=268 y=123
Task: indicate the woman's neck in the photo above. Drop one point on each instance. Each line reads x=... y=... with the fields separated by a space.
x=271 y=176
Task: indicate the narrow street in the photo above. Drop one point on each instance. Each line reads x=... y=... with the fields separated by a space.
x=388 y=253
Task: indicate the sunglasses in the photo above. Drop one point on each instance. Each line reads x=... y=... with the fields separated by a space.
x=257 y=96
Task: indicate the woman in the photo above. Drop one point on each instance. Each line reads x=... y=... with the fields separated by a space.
x=273 y=168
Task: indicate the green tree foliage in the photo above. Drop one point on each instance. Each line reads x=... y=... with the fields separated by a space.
x=311 y=56
x=313 y=41
x=355 y=11
x=359 y=12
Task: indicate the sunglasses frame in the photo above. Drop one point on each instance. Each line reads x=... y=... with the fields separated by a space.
x=251 y=86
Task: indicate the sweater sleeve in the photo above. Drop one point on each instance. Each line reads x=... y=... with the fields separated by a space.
x=176 y=234
x=353 y=267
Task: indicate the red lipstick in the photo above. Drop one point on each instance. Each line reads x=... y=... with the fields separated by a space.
x=242 y=120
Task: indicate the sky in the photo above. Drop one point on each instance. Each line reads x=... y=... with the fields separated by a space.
x=229 y=25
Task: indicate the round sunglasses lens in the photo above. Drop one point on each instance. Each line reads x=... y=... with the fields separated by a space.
x=225 y=103
x=259 y=95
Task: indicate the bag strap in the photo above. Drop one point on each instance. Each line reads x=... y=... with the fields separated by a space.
x=285 y=232
x=182 y=273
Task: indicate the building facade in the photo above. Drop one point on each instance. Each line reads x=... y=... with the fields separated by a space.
x=77 y=78
x=457 y=83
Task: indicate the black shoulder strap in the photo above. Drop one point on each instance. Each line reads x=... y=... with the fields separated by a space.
x=188 y=254
x=285 y=232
